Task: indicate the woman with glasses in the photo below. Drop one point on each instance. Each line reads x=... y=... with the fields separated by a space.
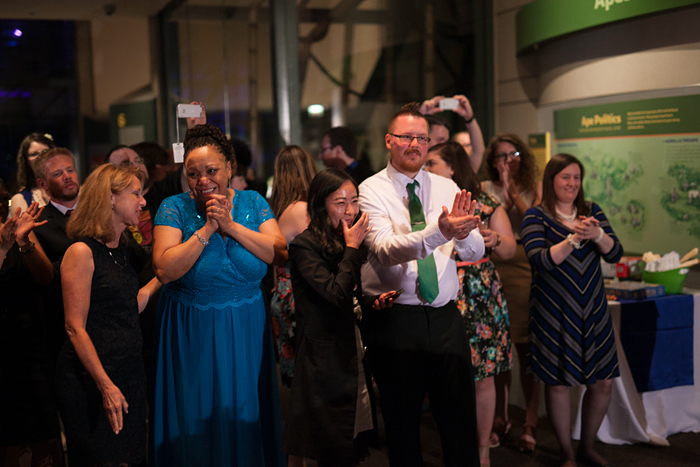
x=32 y=145
x=512 y=171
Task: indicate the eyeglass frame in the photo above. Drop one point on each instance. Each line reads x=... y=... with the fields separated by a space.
x=36 y=153
x=129 y=163
x=403 y=138
x=505 y=156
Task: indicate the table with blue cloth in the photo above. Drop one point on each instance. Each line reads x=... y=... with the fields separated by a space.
x=658 y=392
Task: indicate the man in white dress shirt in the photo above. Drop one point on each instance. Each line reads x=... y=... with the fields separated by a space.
x=419 y=345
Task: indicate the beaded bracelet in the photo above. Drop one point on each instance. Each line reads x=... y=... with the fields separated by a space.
x=571 y=241
x=201 y=239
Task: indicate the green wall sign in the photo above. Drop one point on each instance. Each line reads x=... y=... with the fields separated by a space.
x=642 y=161
x=663 y=116
x=545 y=19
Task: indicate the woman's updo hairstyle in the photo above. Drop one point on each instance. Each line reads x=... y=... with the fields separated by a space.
x=209 y=135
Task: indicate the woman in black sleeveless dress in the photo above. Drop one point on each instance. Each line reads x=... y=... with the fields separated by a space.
x=101 y=381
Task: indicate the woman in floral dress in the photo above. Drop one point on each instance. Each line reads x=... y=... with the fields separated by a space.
x=480 y=298
x=294 y=170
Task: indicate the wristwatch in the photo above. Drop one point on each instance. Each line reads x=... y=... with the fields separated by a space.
x=498 y=241
x=30 y=248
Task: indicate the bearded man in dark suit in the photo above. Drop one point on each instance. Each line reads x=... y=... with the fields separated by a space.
x=56 y=175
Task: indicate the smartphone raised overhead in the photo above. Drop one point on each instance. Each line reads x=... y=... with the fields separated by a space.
x=448 y=103
x=189 y=111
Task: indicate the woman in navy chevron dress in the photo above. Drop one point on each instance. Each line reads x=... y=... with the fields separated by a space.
x=571 y=334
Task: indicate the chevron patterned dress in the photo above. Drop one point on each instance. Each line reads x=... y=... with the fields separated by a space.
x=571 y=338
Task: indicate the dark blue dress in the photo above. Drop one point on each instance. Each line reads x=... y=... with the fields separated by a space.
x=571 y=336
x=209 y=355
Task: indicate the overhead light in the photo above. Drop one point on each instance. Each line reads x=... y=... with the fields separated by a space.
x=315 y=110
x=17 y=33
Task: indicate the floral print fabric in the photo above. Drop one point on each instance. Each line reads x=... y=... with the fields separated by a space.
x=284 y=323
x=484 y=308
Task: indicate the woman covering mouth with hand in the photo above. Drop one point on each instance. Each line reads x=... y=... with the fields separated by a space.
x=211 y=250
x=329 y=409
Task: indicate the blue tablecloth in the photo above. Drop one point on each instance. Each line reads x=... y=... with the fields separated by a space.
x=657 y=335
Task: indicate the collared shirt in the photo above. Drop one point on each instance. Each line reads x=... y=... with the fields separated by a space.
x=393 y=247
x=62 y=208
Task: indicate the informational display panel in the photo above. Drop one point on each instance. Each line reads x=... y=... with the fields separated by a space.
x=642 y=161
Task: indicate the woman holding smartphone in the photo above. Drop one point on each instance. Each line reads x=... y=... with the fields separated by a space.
x=329 y=406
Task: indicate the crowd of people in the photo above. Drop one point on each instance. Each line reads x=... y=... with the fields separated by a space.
x=138 y=321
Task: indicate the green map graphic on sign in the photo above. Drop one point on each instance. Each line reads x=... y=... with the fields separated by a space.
x=608 y=179
x=683 y=201
x=642 y=161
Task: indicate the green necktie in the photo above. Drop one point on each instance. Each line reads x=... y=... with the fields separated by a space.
x=427 y=272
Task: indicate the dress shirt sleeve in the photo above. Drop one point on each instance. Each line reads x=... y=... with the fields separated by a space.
x=471 y=248
x=391 y=247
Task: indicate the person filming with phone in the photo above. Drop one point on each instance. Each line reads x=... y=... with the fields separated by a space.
x=419 y=345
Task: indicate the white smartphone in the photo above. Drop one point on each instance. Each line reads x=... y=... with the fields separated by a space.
x=449 y=103
x=189 y=111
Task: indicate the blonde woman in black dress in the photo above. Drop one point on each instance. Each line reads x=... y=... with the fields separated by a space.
x=101 y=381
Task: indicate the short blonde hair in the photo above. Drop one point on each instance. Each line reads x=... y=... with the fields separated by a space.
x=43 y=158
x=93 y=215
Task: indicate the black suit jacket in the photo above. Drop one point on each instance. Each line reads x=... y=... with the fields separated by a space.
x=52 y=235
x=53 y=239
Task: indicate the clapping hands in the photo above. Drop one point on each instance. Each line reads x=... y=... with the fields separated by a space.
x=27 y=221
x=219 y=212
x=459 y=222
x=7 y=234
x=588 y=228
x=18 y=227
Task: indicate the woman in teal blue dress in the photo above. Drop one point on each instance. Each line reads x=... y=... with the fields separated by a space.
x=211 y=249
